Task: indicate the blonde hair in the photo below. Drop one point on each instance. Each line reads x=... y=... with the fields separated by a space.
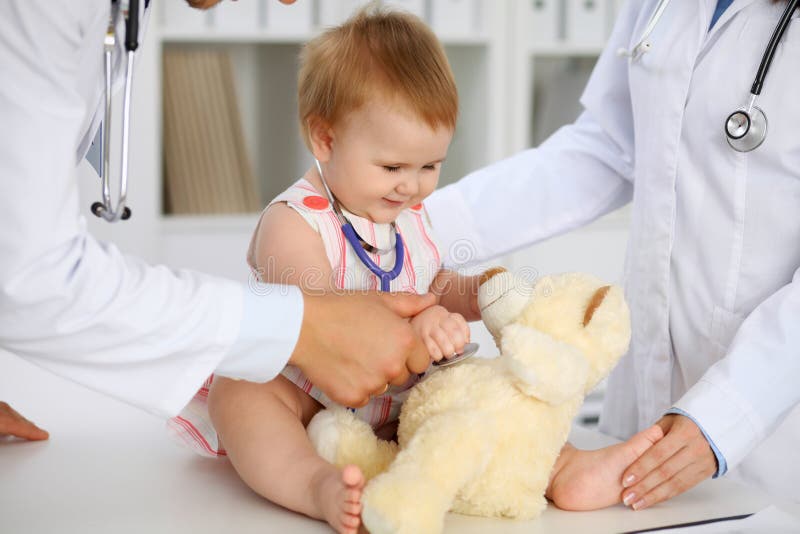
x=376 y=51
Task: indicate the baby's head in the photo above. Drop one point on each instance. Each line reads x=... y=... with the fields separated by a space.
x=378 y=106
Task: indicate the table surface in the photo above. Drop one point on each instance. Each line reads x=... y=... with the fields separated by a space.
x=109 y=467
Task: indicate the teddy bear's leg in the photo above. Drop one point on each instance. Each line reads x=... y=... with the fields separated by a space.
x=342 y=439
x=414 y=495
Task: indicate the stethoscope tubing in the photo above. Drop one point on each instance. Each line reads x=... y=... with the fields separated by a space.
x=360 y=246
x=769 y=52
x=106 y=209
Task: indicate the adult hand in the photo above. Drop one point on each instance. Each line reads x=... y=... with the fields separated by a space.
x=13 y=424
x=679 y=461
x=352 y=346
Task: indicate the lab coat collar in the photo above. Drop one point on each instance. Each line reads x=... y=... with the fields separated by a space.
x=729 y=13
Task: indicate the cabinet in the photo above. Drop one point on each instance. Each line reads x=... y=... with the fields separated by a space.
x=518 y=71
x=520 y=66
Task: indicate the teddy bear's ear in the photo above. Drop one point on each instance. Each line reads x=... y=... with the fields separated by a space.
x=501 y=298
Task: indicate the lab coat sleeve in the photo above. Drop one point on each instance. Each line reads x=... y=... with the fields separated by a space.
x=581 y=172
x=78 y=307
x=742 y=398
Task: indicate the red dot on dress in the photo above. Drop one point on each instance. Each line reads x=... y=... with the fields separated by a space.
x=315 y=202
x=417 y=207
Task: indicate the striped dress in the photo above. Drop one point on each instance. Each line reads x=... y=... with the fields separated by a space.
x=421 y=264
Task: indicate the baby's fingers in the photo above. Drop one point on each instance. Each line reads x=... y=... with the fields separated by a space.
x=442 y=339
x=457 y=331
x=433 y=348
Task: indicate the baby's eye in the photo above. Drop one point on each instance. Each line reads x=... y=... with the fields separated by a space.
x=390 y=168
x=431 y=167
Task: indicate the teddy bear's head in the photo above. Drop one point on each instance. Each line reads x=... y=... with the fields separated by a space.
x=574 y=310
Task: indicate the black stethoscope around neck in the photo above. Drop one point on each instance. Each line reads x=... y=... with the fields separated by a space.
x=745 y=128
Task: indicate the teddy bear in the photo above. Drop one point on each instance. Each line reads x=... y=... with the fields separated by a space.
x=481 y=437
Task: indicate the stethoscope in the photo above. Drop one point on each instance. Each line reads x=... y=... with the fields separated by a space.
x=361 y=248
x=745 y=128
x=130 y=10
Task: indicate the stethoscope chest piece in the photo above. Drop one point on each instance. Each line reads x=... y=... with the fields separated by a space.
x=745 y=129
x=470 y=349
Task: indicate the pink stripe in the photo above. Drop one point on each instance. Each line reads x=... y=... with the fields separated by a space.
x=375 y=257
x=342 y=250
x=409 y=267
x=198 y=437
x=428 y=240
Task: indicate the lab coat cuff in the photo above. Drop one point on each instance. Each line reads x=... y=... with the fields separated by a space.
x=726 y=419
x=454 y=225
x=722 y=465
x=271 y=319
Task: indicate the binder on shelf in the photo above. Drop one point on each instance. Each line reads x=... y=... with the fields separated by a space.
x=455 y=18
x=206 y=167
x=545 y=21
x=291 y=19
x=415 y=7
x=237 y=16
x=334 y=12
x=587 y=22
x=177 y=15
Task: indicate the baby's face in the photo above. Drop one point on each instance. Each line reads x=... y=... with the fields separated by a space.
x=384 y=159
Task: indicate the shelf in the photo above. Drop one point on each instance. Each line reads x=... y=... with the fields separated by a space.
x=181 y=224
x=566 y=50
x=263 y=37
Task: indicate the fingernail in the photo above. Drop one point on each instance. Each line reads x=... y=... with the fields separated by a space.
x=628 y=498
x=628 y=481
x=638 y=504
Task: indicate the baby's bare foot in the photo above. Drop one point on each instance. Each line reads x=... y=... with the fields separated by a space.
x=337 y=494
x=589 y=480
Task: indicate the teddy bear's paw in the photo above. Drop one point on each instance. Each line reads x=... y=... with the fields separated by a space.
x=542 y=366
x=501 y=298
x=403 y=505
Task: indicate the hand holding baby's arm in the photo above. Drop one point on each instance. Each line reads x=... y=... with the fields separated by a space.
x=444 y=333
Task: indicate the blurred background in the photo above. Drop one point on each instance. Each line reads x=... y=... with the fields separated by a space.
x=215 y=135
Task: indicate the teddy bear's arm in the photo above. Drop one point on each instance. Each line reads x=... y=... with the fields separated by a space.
x=543 y=367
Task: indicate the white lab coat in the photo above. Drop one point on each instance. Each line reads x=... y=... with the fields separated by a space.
x=73 y=305
x=712 y=264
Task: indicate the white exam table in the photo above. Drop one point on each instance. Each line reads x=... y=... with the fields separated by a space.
x=110 y=468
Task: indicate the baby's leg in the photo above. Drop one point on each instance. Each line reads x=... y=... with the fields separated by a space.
x=589 y=480
x=262 y=427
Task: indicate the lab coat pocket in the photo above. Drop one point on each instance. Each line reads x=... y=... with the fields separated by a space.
x=724 y=326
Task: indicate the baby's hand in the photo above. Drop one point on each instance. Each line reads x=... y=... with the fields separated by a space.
x=444 y=333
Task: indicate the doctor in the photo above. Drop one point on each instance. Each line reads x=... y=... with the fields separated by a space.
x=714 y=250
x=146 y=335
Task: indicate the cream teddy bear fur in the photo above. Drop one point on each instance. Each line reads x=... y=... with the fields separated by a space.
x=481 y=437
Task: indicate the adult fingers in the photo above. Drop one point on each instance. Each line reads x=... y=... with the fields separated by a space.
x=14 y=424
x=651 y=459
x=683 y=480
x=664 y=472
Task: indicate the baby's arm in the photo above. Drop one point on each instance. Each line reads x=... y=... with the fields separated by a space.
x=287 y=250
x=457 y=293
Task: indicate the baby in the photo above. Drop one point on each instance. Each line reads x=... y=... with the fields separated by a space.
x=378 y=107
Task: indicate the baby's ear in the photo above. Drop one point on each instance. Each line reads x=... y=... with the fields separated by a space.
x=320 y=135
